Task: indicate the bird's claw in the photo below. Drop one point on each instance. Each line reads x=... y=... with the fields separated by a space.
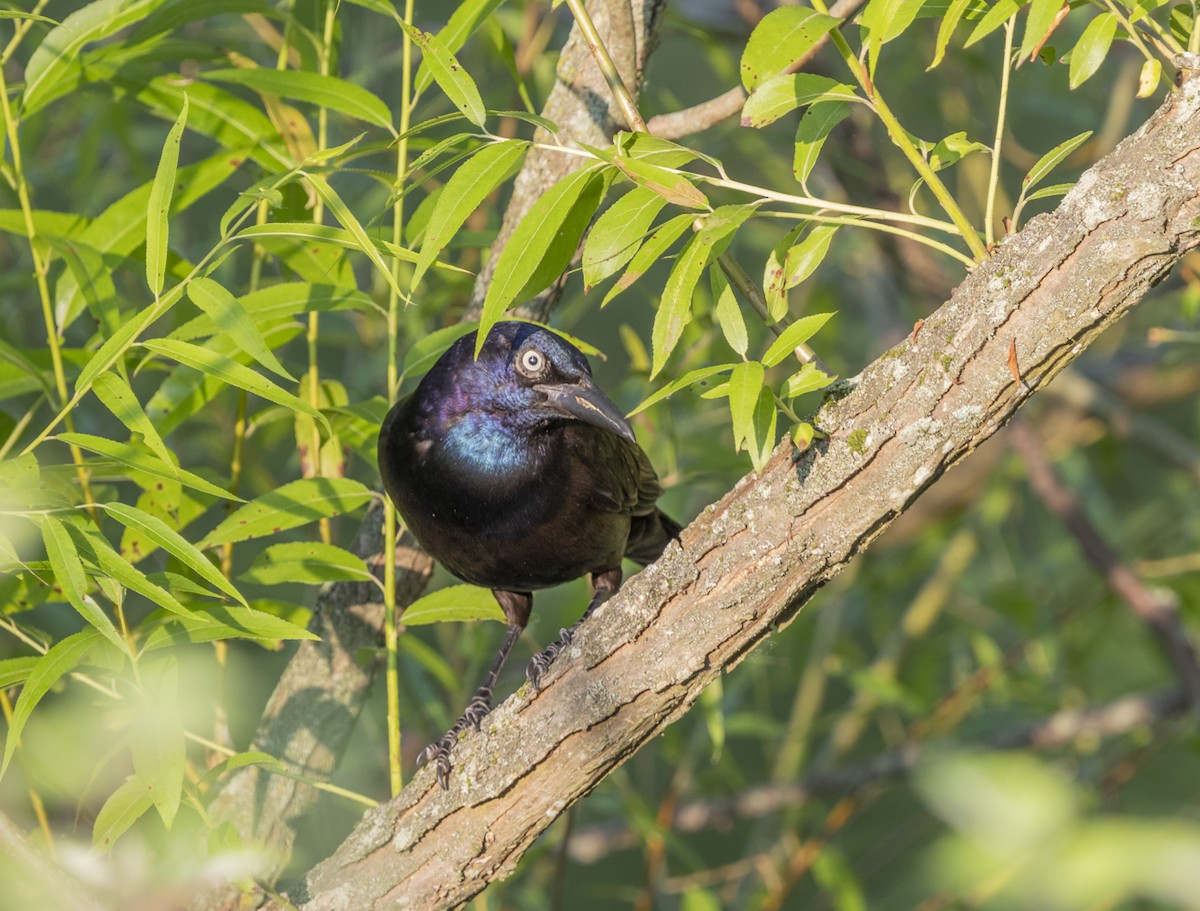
x=439 y=753
x=540 y=663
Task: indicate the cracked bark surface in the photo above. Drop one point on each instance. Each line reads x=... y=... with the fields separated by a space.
x=751 y=561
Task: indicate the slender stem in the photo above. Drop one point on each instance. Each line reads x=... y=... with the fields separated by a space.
x=19 y=427
x=989 y=229
x=390 y=639
x=22 y=26
x=611 y=74
x=900 y=139
x=41 y=267
x=314 y=320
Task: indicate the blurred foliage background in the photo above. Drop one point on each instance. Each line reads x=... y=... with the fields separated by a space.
x=860 y=759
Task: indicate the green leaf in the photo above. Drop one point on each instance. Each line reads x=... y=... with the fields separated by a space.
x=803 y=258
x=727 y=311
x=781 y=38
x=462 y=23
x=675 y=307
x=308 y=563
x=428 y=348
x=1091 y=49
x=1052 y=159
x=674 y=188
x=449 y=74
x=314 y=88
x=946 y=30
x=230 y=371
x=455 y=603
x=794 y=335
x=650 y=253
x=62 y=658
x=159 y=533
x=543 y=243
x=761 y=440
x=232 y=318
x=350 y=222
x=807 y=379
x=465 y=191
x=68 y=572
x=774 y=289
x=1058 y=189
x=125 y=573
x=143 y=461
x=121 y=228
x=1042 y=18
x=780 y=95
x=994 y=18
x=117 y=396
x=289 y=506
x=883 y=21
x=306 y=232
x=157 y=743
x=814 y=128
x=60 y=49
x=745 y=383
x=617 y=234
x=15 y=671
x=125 y=806
x=158 y=206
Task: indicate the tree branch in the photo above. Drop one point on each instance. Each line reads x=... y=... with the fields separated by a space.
x=752 y=560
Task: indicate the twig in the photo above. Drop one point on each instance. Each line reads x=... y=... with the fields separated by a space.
x=1156 y=609
x=700 y=117
x=1061 y=729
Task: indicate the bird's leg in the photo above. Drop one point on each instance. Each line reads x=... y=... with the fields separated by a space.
x=604 y=586
x=516 y=606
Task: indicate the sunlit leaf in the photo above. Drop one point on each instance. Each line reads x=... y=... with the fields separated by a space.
x=306 y=562
x=314 y=88
x=68 y=572
x=812 y=131
x=448 y=73
x=124 y=806
x=617 y=234
x=1052 y=159
x=745 y=383
x=456 y=603
x=782 y=37
x=1091 y=49
x=158 y=206
x=794 y=335
x=780 y=95
x=233 y=318
x=289 y=506
x=143 y=461
x=157 y=743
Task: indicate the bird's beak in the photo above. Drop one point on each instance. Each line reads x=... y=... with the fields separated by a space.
x=585 y=402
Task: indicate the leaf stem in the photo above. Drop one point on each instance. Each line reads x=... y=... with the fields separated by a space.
x=989 y=228
x=390 y=637
x=900 y=139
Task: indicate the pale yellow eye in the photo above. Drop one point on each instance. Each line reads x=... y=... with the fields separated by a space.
x=532 y=361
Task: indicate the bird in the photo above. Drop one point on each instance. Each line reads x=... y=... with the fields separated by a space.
x=516 y=472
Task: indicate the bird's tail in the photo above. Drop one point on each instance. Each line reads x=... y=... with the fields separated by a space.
x=649 y=536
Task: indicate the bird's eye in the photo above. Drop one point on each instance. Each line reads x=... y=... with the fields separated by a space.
x=532 y=361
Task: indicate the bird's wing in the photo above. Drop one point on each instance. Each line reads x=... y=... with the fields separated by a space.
x=624 y=479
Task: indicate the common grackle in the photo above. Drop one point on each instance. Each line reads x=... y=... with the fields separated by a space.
x=517 y=473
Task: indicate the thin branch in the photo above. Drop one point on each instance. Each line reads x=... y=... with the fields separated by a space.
x=1119 y=717
x=707 y=114
x=1157 y=609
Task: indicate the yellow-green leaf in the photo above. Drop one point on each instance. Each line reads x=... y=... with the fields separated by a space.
x=289 y=506
x=232 y=318
x=158 y=207
x=459 y=603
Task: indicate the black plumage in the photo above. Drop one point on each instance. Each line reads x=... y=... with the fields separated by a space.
x=517 y=473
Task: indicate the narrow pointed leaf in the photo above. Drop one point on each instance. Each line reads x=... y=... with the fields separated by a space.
x=119 y=398
x=125 y=806
x=543 y=243
x=812 y=131
x=745 y=383
x=727 y=311
x=617 y=234
x=230 y=371
x=466 y=189
x=62 y=658
x=143 y=461
x=448 y=73
x=68 y=572
x=314 y=88
x=306 y=562
x=780 y=95
x=157 y=743
x=229 y=314
x=797 y=333
x=458 y=603
x=1041 y=21
x=289 y=506
x=160 y=533
x=1052 y=159
x=650 y=252
x=950 y=22
x=1091 y=49
x=158 y=207
x=350 y=222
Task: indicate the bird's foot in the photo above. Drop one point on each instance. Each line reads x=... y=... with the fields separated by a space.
x=540 y=663
x=439 y=753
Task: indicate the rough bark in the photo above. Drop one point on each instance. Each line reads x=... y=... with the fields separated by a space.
x=751 y=561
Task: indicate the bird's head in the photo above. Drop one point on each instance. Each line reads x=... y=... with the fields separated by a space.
x=525 y=376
